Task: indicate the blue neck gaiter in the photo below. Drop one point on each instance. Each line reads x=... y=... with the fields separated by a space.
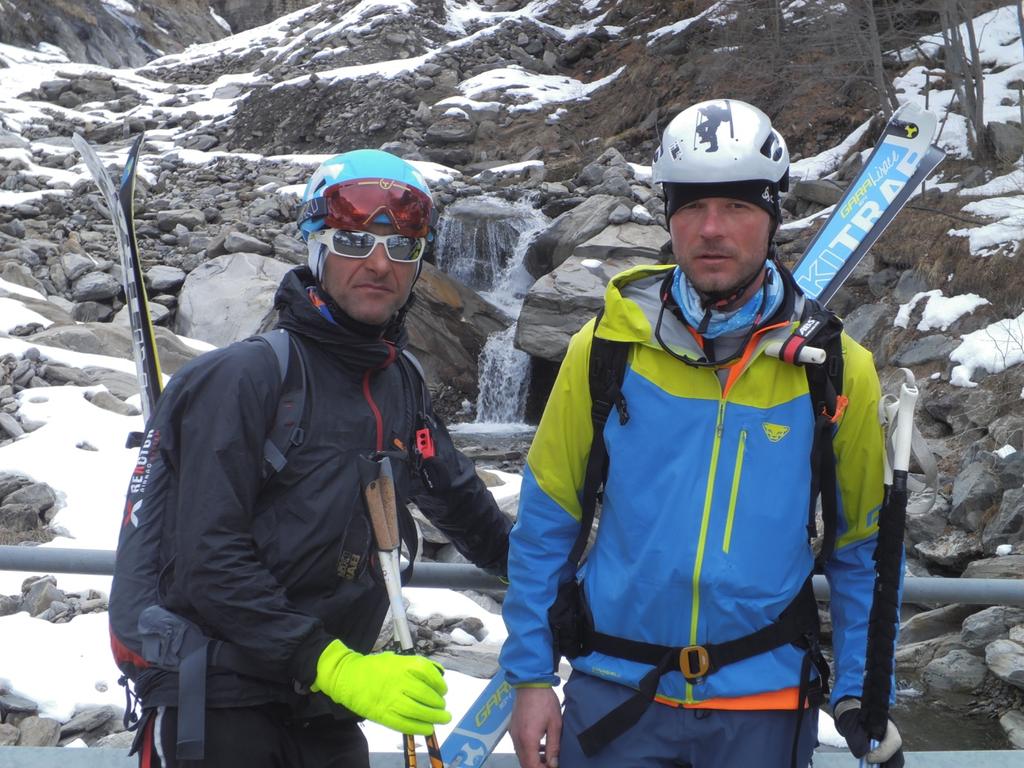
x=734 y=320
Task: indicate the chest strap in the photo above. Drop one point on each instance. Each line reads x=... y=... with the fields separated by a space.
x=797 y=625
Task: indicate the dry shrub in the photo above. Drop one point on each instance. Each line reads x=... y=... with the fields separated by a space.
x=9 y=537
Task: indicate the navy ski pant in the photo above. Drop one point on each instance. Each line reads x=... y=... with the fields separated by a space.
x=671 y=737
x=255 y=737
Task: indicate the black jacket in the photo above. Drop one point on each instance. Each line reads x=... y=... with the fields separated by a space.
x=283 y=567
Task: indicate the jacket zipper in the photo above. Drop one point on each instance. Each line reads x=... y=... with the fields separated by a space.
x=368 y=395
x=734 y=492
x=702 y=538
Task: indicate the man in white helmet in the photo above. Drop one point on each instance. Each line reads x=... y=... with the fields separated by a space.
x=691 y=625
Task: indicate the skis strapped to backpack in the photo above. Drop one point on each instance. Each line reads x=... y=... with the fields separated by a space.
x=120 y=204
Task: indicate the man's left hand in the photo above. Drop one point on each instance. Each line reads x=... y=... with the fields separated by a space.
x=888 y=753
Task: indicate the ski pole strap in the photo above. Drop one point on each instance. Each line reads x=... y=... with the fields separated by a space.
x=796 y=625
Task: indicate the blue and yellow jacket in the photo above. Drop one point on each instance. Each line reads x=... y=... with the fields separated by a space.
x=703 y=529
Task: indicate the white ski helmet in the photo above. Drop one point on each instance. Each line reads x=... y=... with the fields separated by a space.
x=722 y=148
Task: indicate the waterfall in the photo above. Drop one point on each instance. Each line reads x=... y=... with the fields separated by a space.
x=482 y=242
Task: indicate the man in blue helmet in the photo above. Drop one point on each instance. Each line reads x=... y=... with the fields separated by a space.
x=282 y=568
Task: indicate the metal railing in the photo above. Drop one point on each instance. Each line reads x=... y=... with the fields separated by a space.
x=916 y=589
x=48 y=757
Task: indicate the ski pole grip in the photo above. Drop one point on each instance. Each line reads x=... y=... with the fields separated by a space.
x=380 y=500
x=905 y=422
x=806 y=355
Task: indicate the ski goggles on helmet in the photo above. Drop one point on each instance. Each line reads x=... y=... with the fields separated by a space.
x=353 y=205
x=359 y=245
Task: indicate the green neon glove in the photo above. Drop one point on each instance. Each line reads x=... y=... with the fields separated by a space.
x=404 y=693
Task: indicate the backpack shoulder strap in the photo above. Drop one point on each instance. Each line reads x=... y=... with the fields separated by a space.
x=821 y=328
x=286 y=430
x=606 y=372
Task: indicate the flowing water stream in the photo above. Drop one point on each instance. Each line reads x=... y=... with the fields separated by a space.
x=482 y=242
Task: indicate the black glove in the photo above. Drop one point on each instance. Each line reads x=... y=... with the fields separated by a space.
x=888 y=753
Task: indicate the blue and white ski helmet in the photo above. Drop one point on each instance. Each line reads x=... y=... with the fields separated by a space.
x=397 y=181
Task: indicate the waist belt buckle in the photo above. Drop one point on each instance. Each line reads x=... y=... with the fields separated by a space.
x=694 y=662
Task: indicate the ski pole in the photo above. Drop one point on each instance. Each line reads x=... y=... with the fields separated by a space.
x=899 y=415
x=380 y=498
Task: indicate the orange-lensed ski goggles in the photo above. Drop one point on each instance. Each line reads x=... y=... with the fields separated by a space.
x=354 y=205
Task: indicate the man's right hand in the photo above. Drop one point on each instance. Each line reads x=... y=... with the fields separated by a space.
x=536 y=727
x=404 y=693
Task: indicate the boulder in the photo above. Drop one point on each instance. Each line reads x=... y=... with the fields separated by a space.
x=1005 y=659
x=957 y=674
x=1007 y=567
x=115 y=341
x=241 y=286
x=1007 y=525
x=623 y=241
x=990 y=624
x=560 y=303
x=555 y=244
x=975 y=490
x=448 y=325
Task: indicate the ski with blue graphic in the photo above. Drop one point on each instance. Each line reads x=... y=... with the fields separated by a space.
x=482 y=727
x=902 y=159
x=120 y=205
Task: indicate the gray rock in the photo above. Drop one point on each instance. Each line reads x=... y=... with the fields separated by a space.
x=620 y=215
x=121 y=740
x=615 y=185
x=591 y=175
x=912 y=658
x=19 y=274
x=95 y=286
x=38 y=732
x=555 y=244
x=19 y=517
x=820 y=191
x=990 y=624
x=925 y=350
x=1007 y=140
x=37 y=495
x=1007 y=525
x=975 y=490
x=238 y=242
x=165 y=279
x=158 y=315
x=241 y=285
x=8 y=735
x=1012 y=723
x=910 y=284
x=10 y=425
x=475 y=660
x=451 y=130
x=560 y=303
x=937 y=622
x=76 y=264
x=113 y=340
x=41 y=595
x=624 y=241
x=865 y=320
x=107 y=401
x=1006 y=567
x=290 y=249
x=92 y=312
x=958 y=672
x=952 y=550
x=88 y=719
x=1005 y=659
x=13 y=704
